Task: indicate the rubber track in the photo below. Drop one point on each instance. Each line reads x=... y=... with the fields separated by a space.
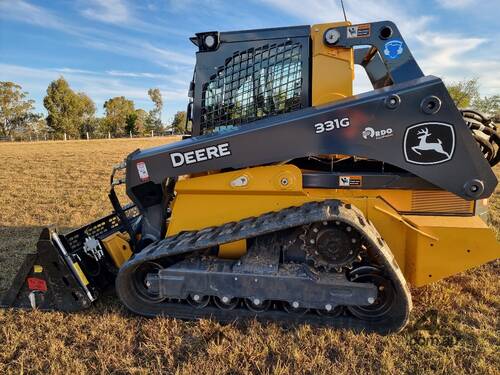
x=328 y=210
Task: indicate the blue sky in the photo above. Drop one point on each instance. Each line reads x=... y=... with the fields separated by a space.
x=109 y=48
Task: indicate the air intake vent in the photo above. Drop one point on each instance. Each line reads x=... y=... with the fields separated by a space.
x=436 y=201
x=253 y=84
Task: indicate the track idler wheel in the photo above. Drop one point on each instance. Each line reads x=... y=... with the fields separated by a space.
x=294 y=308
x=330 y=312
x=226 y=303
x=198 y=301
x=140 y=283
x=256 y=305
x=382 y=305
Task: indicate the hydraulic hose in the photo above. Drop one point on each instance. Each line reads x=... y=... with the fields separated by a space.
x=485 y=133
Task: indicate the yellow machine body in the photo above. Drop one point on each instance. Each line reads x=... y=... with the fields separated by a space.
x=427 y=247
x=118 y=247
x=432 y=233
x=332 y=67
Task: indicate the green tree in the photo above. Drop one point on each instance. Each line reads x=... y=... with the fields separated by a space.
x=14 y=107
x=141 y=121
x=130 y=126
x=489 y=105
x=136 y=122
x=86 y=113
x=34 y=126
x=154 y=121
x=179 y=122
x=68 y=112
x=464 y=92
x=39 y=126
x=118 y=110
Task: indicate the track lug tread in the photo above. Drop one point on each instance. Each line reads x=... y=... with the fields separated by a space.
x=318 y=211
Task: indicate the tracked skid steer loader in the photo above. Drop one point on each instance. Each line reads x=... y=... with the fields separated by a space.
x=291 y=199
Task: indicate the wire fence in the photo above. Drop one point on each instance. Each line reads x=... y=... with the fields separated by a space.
x=88 y=136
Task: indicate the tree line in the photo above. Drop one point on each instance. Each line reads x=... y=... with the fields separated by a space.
x=72 y=115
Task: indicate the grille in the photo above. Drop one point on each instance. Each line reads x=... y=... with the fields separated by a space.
x=76 y=239
x=439 y=202
x=253 y=84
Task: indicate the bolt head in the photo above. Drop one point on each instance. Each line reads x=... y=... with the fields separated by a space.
x=295 y=304
x=148 y=284
x=371 y=300
x=209 y=41
x=348 y=229
x=332 y=36
x=256 y=301
x=196 y=297
x=328 y=307
x=225 y=299
x=311 y=241
x=284 y=181
x=315 y=230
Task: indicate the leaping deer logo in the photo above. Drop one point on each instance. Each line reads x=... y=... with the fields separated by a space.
x=423 y=145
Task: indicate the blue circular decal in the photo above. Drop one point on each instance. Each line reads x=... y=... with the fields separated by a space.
x=393 y=49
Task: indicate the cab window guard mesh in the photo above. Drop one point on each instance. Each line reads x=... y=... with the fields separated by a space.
x=253 y=84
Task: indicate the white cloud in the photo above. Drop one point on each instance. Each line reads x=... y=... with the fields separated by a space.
x=94 y=38
x=455 y=57
x=110 y=11
x=124 y=15
x=23 y=11
x=445 y=54
x=179 y=79
x=100 y=86
x=358 y=11
x=118 y=73
x=166 y=55
x=454 y=4
x=446 y=50
x=141 y=49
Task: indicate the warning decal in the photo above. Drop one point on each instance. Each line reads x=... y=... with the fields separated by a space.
x=34 y=283
x=358 y=31
x=350 y=181
x=143 y=171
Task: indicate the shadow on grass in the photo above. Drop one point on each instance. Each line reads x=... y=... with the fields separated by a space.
x=15 y=244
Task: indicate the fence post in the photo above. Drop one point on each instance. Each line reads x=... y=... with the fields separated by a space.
x=152 y=133
x=88 y=136
x=130 y=133
x=65 y=137
x=109 y=135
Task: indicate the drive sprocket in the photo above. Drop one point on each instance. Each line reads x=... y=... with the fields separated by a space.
x=331 y=245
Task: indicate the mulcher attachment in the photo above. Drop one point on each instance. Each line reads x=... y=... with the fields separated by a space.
x=49 y=279
x=69 y=271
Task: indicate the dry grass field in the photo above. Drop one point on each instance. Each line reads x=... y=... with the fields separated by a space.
x=66 y=183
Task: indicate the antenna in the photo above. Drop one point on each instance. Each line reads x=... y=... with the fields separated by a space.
x=343 y=9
